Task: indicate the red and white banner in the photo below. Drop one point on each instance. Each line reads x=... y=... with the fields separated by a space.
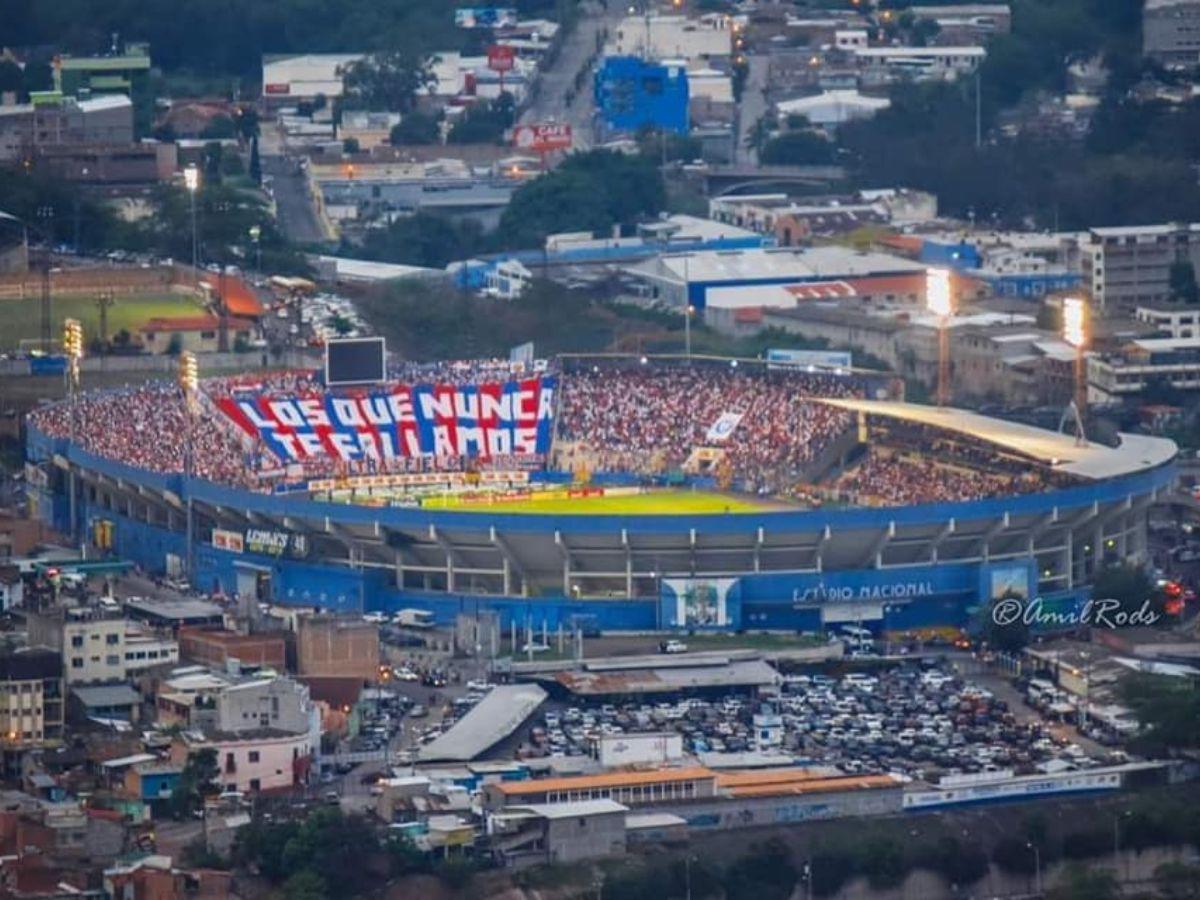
x=543 y=137
x=481 y=421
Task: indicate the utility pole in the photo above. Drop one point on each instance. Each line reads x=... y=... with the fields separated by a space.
x=46 y=214
x=222 y=317
x=978 y=108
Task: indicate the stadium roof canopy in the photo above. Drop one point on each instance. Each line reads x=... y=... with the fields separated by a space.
x=1135 y=453
x=493 y=719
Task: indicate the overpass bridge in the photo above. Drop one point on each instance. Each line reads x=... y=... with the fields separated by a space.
x=721 y=181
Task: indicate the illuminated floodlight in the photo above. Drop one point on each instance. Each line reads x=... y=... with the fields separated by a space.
x=1074 y=316
x=189 y=372
x=191 y=178
x=937 y=292
x=72 y=339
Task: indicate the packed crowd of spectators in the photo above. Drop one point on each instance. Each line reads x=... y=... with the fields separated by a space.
x=146 y=427
x=888 y=477
x=641 y=420
x=649 y=420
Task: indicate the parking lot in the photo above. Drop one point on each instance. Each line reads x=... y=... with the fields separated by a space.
x=915 y=720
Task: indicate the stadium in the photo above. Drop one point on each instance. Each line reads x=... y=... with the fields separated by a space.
x=639 y=494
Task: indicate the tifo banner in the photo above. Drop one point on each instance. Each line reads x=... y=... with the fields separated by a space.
x=481 y=421
x=721 y=429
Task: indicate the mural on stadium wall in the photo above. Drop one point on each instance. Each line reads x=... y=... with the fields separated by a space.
x=478 y=421
x=697 y=602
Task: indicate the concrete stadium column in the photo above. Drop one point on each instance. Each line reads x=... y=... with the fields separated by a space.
x=399 y=557
x=1068 y=561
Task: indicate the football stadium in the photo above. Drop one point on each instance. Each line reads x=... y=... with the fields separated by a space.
x=641 y=494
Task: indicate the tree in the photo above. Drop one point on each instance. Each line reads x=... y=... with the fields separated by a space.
x=388 y=81
x=1168 y=710
x=255 y=161
x=424 y=239
x=1182 y=282
x=350 y=146
x=798 y=148
x=589 y=192
x=1086 y=884
x=1004 y=633
x=219 y=128
x=1130 y=586
x=305 y=885
x=484 y=122
x=414 y=128
x=199 y=772
x=766 y=872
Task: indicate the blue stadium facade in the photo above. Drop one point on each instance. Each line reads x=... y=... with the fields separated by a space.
x=886 y=568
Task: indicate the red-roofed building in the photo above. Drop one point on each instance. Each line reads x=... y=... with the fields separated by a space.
x=240 y=299
x=199 y=334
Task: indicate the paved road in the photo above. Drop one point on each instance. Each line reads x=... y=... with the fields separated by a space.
x=558 y=80
x=752 y=106
x=294 y=208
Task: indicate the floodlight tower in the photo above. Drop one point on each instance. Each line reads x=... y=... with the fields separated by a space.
x=939 y=302
x=1075 y=327
x=73 y=350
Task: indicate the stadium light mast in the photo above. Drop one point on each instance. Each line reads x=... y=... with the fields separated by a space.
x=191 y=179
x=73 y=349
x=189 y=385
x=939 y=302
x=1075 y=325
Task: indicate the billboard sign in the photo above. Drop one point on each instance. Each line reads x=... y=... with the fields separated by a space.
x=543 y=137
x=224 y=539
x=274 y=542
x=485 y=17
x=816 y=359
x=501 y=58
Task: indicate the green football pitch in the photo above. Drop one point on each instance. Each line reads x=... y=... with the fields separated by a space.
x=652 y=503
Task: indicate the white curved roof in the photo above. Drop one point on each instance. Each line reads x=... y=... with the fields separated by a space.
x=1135 y=453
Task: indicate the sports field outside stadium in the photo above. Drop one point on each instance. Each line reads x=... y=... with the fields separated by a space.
x=648 y=503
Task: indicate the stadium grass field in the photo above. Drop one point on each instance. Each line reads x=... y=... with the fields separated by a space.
x=21 y=319
x=654 y=503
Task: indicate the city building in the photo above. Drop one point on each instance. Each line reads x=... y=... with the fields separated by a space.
x=230 y=650
x=829 y=109
x=630 y=787
x=1171 y=32
x=126 y=72
x=199 y=334
x=98 y=647
x=1179 y=322
x=1129 y=266
x=1162 y=364
x=673 y=37
x=632 y=93
x=672 y=278
x=263 y=759
x=564 y=833
x=925 y=63
x=289 y=78
x=31 y=700
x=367 y=129
x=329 y=645
x=51 y=120
x=146 y=162
x=964 y=22
x=173 y=614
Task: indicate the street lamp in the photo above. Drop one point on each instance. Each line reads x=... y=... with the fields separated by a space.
x=255 y=237
x=1075 y=323
x=1037 y=867
x=191 y=178
x=938 y=301
x=688 y=312
x=73 y=349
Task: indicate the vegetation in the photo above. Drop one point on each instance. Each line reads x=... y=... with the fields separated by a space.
x=1169 y=710
x=485 y=122
x=215 y=37
x=797 y=148
x=196 y=781
x=589 y=192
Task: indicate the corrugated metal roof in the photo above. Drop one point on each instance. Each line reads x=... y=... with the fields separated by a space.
x=605 y=780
